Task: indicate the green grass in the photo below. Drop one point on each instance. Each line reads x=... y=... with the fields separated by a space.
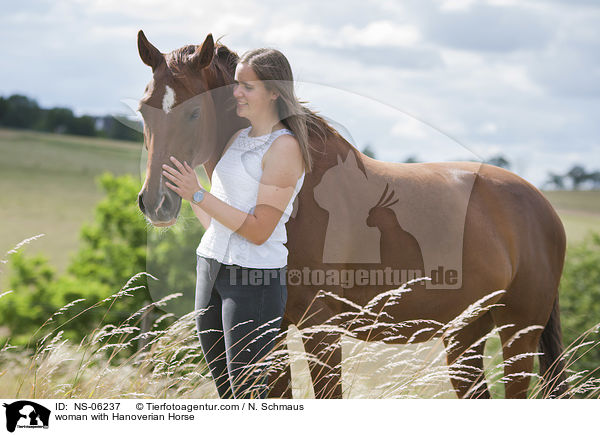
x=579 y=211
x=48 y=186
x=584 y=201
x=578 y=226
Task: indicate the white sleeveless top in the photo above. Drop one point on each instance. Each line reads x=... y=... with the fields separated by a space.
x=235 y=180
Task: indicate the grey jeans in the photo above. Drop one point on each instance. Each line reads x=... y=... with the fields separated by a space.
x=238 y=324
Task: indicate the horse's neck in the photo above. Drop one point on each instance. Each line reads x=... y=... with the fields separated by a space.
x=327 y=154
x=209 y=168
x=225 y=130
x=211 y=163
x=228 y=121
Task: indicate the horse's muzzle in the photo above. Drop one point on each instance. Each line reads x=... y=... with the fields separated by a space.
x=162 y=213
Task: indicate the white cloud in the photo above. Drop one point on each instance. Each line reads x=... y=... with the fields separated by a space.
x=374 y=34
x=409 y=128
x=481 y=26
x=517 y=77
x=456 y=5
x=488 y=128
x=294 y=32
x=381 y=33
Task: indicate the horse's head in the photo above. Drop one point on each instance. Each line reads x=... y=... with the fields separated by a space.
x=180 y=114
x=381 y=209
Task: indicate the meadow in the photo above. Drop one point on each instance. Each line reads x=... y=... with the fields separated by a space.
x=578 y=210
x=48 y=186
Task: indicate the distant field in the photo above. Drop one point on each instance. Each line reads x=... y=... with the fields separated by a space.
x=580 y=202
x=48 y=187
x=579 y=211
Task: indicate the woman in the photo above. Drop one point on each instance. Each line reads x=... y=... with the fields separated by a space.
x=253 y=189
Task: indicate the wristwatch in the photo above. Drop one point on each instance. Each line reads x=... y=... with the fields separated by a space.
x=198 y=196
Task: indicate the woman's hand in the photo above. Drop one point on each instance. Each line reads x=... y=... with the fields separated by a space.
x=185 y=181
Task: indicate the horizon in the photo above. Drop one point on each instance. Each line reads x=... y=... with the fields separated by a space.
x=129 y=122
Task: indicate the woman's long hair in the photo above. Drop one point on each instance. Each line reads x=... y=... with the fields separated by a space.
x=272 y=67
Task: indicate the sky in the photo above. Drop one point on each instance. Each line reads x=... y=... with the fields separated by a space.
x=435 y=79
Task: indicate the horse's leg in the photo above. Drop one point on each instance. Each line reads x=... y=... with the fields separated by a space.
x=523 y=318
x=280 y=375
x=465 y=359
x=519 y=355
x=326 y=372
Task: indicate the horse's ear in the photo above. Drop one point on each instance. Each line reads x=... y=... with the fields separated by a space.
x=204 y=54
x=148 y=52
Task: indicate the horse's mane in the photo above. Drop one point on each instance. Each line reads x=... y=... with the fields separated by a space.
x=222 y=69
x=226 y=60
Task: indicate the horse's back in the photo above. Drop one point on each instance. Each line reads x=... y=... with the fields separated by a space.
x=508 y=195
x=504 y=213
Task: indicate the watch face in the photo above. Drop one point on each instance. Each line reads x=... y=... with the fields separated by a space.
x=198 y=196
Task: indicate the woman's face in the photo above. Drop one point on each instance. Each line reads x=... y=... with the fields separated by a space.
x=253 y=99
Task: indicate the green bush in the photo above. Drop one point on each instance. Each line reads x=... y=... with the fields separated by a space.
x=580 y=300
x=116 y=249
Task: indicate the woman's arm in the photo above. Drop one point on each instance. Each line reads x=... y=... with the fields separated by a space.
x=202 y=216
x=282 y=169
x=186 y=184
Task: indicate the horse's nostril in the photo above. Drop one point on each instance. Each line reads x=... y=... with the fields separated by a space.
x=141 y=203
x=166 y=202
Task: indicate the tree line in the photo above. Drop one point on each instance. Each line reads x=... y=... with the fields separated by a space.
x=20 y=111
x=575 y=178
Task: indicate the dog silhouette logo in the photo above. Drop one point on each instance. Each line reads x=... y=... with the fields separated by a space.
x=26 y=414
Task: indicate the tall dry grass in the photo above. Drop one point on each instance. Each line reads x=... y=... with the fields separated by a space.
x=122 y=361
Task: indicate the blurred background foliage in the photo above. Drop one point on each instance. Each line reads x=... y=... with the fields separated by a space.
x=116 y=246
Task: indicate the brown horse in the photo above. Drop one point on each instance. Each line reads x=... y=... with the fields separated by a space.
x=473 y=229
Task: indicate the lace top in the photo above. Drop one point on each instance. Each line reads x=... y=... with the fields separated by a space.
x=235 y=180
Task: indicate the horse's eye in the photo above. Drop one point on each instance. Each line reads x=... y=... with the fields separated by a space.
x=195 y=114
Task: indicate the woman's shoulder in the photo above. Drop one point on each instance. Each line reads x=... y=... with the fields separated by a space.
x=237 y=133
x=285 y=148
x=286 y=139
